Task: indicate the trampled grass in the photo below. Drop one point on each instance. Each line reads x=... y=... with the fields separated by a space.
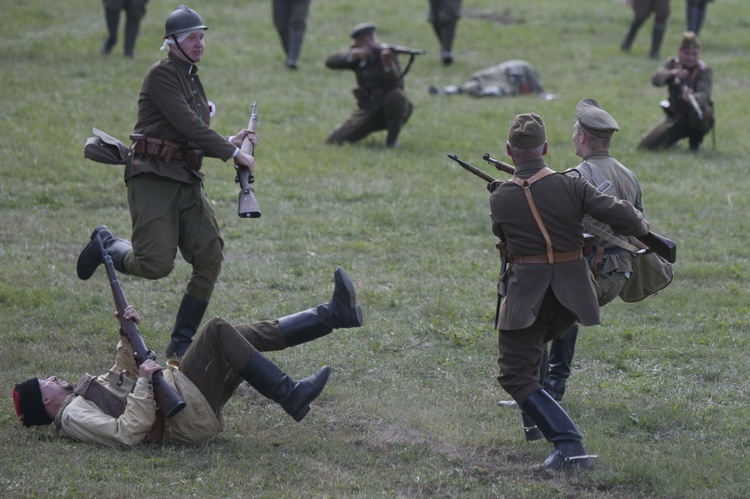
x=659 y=390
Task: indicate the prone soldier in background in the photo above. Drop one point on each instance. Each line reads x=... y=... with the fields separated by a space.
x=382 y=103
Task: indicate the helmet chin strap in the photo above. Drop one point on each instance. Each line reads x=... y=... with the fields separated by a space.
x=179 y=47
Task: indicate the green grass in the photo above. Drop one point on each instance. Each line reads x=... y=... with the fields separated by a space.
x=659 y=390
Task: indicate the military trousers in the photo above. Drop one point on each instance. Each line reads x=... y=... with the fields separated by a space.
x=221 y=350
x=674 y=128
x=521 y=350
x=168 y=215
x=395 y=108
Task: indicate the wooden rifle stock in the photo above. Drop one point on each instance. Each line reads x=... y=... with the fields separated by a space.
x=656 y=243
x=168 y=400
x=247 y=206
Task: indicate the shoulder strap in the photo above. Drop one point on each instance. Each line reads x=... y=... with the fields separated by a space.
x=525 y=184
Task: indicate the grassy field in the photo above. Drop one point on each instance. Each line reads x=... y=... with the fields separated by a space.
x=659 y=391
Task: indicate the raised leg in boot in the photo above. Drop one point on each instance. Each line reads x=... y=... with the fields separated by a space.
x=558 y=429
x=270 y=381
x=339 y=313
x=222 y=355
x=91 y=256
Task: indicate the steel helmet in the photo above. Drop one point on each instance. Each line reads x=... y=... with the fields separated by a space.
x=181 y=20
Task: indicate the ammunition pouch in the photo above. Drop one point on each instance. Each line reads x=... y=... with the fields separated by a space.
x=166 y=150
x=111 y=404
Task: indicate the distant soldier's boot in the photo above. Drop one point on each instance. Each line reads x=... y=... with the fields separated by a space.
x=447 y=35
x=132 y=26
x=656 y=38
x=294 y=45
x=91 y=256
x=270 y=381
x=628 y=41
x=189 y=317
x=560 y=360
x=341 y=312
x=112 y=18
x=558 y=429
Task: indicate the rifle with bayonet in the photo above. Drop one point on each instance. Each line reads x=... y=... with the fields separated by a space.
x=247 y=206
x=166 y=397
x=656 y=243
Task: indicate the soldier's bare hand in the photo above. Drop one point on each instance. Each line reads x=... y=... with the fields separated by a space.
x=130 y=314
x=245 y=160
x=245 y=133
x=148 y=368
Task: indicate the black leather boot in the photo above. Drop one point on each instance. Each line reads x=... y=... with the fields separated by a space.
x=339 y=313
x=270 y=381
x=560 y=361
x=132 y=27
x=630 y=37
x=530 y=429
x=296 y=36
x=559 y=429
x=91 y=256
x=189 y=317
x=656 y=38
x=112 y=18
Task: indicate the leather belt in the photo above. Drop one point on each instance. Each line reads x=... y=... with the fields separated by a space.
x=567 y=256
x=166 y=150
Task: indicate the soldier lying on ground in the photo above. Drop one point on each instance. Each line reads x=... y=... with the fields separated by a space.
x=219 y=359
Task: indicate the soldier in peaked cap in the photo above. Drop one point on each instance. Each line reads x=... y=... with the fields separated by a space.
x=690 y=110
x=538 y=214
x=610 y=265
x=382 y=103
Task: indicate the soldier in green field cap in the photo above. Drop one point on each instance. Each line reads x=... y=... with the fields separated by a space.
x=538 y=215
x=690 y=108
x=382 y=103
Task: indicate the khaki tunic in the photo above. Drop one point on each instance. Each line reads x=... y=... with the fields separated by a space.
x=82 y=420
x=542 y=301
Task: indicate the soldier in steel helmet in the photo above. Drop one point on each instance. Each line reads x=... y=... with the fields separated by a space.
x=168 y=205
x=382 y=103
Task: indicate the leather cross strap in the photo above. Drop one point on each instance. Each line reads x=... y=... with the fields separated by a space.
x=525 y=184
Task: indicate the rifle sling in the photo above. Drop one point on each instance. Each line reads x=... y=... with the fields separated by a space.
x=602 y=234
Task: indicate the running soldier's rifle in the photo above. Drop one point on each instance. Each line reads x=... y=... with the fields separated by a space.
x=247 y=206
x=168 y=400
x=660 y=245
